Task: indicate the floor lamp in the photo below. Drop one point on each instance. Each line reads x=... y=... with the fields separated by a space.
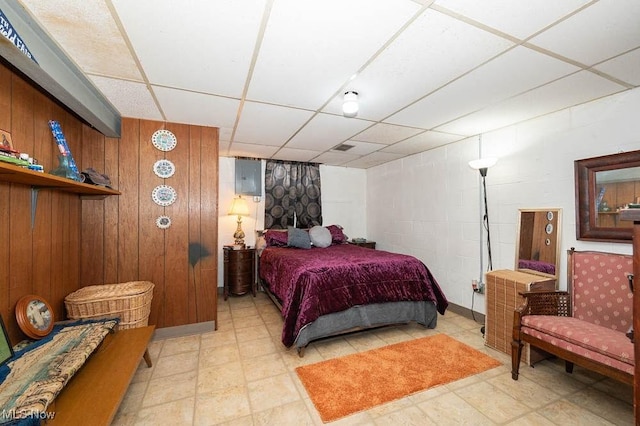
x=482 y=165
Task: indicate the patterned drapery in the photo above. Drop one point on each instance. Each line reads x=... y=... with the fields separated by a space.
x=292 y=189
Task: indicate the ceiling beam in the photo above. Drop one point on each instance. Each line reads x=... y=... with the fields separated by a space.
x=55 y=73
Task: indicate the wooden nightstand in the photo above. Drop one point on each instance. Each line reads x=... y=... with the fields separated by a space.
x=239 y=272
x=366 y=244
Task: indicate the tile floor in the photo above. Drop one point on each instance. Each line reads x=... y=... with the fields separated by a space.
x=242 y=375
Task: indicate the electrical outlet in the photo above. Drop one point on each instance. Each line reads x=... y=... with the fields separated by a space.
x=474 y=285
x=480 y=288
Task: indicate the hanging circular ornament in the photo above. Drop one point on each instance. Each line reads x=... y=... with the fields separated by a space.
x=164 y=195
x=163 y=222
x=164 y=140
x=164 y=168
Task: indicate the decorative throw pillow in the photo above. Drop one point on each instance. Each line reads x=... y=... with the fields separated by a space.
x=337 y=236
x=276 y=238
x=261 y=244
x=320 y=236
x=298 y=238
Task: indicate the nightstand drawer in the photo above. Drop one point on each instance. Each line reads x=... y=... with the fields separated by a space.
x=240 y=267
x=240 y=284
x=242 y=255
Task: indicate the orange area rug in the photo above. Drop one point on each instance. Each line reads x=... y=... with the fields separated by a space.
x=346 y=385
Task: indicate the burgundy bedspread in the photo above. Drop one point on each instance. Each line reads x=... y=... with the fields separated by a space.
x=315 y=282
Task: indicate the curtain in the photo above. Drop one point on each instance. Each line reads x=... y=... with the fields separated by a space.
x=292 y=194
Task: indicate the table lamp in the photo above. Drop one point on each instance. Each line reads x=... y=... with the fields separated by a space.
x=239 y=208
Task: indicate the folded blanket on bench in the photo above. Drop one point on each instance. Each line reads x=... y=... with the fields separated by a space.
x=32 y=380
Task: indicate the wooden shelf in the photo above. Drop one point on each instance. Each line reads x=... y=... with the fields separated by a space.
x=630 y=214
x=16 y=174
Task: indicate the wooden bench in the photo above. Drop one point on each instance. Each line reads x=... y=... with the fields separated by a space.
x=94 y=393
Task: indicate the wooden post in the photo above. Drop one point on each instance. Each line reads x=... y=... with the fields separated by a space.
x=634 y=215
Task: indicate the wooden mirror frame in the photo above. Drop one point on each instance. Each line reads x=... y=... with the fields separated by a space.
x=585 y=186
x=542 y=217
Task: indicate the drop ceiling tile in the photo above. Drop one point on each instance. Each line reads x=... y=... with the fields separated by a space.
x=509 y=74
x=269 y=124
x=249 y=150
x=205 y=47
x=180 y=106
x=361 y=148
x=601 y=31
x=625 y=67
x=569 y=91
x=314 y=47
x=131 y=99
x=325 y=131
x=334 y=158
x=291 y=154
x=373 y=159
x=431 y=52
x=422 y=142
x=383 y=133
x=89 y=35
x=225 y=133
x=519 y=19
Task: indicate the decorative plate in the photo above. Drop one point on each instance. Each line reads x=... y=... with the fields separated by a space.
x=164 y=195
x=549 y=216
x=163 y=222
x=34 y=316
x=164 y=168
x=164 y=140
x=549 y=228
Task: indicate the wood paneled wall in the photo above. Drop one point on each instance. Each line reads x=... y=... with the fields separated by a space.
x=120 y=239
x=78 y=242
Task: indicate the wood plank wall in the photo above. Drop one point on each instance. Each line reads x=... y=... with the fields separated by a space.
x=78 y=242
x=121 y=241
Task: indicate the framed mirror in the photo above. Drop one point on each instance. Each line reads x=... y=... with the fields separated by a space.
x=538 y=241
x=604 y=185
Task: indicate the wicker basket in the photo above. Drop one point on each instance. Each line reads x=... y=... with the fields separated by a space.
x=130 y=301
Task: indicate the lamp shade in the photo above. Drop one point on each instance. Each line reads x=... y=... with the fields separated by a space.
x=239 y=207
x=483 y=163
x=350 y=104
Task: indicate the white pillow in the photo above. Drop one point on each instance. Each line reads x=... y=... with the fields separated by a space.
x=320 y=236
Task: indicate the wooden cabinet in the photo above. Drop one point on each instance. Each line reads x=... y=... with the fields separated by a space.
x=633 y=216
x=239 y=272
x=502 y=296
x=366 y=244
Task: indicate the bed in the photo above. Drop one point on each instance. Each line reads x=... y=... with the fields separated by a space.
x=327 y=291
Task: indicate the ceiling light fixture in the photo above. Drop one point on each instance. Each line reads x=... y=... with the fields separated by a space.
x=350 y=104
